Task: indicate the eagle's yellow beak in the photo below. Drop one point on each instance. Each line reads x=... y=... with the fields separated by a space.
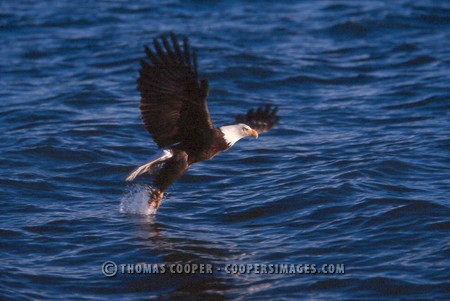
x=254 y=134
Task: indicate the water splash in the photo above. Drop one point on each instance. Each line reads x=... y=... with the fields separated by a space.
x=135 y=201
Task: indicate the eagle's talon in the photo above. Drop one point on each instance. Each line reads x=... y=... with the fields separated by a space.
x=156 y=198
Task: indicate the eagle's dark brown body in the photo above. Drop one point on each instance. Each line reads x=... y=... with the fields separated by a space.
x=184 y=157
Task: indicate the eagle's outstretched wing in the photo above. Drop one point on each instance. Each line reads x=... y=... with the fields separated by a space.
x=262 y=120
x=173 y=100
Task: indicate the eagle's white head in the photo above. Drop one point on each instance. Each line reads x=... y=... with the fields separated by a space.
x=232 y=133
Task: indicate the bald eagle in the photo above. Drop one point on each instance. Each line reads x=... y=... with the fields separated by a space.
x=175 y=113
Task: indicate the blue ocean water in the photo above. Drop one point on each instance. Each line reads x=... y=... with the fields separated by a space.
x=356 y=173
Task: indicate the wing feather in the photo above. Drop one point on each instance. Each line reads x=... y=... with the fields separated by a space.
x=187 y=56
x=179 y=54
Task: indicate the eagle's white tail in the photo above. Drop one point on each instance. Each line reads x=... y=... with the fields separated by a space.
x=149 y=167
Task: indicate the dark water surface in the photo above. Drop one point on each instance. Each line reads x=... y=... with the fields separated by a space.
x=356 y=173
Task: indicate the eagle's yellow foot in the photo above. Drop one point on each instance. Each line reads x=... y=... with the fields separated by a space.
x=156 y=198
